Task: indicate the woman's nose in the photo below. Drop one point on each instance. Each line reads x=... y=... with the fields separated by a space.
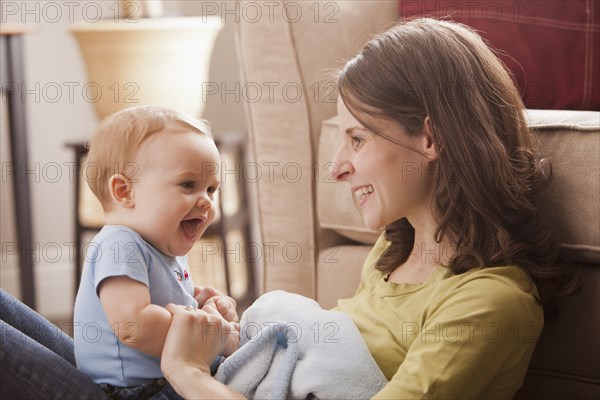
x=342 y=167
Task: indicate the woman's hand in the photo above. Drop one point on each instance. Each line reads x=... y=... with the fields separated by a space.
x=194 y=339
x=210 y=300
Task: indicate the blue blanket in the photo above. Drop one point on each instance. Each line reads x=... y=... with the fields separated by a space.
x=293 y=349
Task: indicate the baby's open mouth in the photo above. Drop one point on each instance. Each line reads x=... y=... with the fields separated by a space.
x=191 y=227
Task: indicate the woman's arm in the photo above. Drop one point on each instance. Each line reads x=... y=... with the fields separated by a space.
x=194 y=339
x=134 y=320
x=192 y=382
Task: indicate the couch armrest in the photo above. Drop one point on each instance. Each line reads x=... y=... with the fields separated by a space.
x=284 y=55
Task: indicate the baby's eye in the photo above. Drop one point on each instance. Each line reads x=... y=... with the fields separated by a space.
x=212 y=189
x=188 y=184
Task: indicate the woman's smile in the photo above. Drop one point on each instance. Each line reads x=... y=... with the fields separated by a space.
x=362 y=193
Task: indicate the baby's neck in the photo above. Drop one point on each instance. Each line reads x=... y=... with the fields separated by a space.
x=116 y=218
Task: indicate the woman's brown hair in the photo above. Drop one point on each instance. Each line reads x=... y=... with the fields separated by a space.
x=488 y=172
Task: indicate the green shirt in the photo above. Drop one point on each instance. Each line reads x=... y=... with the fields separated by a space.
x=452 y=337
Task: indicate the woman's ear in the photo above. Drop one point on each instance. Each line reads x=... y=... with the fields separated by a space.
x=429 y=148
x=121 y=190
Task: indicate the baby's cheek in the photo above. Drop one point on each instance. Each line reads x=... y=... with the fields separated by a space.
x=212 y=213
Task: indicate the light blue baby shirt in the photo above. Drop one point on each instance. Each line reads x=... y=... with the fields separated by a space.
x=120 y=251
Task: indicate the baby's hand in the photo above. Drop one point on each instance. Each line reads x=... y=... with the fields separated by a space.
x=213 y=301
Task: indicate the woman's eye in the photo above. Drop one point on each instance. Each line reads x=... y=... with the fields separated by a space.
x=357 y=141
x=188 y=184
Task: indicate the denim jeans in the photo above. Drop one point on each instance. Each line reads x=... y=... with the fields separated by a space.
x=155 y=389
x=37 y=359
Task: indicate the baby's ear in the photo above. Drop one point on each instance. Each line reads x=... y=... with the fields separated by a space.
x=121 y=190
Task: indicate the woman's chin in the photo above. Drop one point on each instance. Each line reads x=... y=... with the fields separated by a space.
x=373 y=224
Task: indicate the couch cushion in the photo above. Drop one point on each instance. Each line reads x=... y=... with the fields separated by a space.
x=570 y=203
x=566 y=361
x=569 y=139
x=338 y=272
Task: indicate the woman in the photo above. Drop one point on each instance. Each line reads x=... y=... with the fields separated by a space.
x=450 y=299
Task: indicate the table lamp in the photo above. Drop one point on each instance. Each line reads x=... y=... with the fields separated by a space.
x=156 y=61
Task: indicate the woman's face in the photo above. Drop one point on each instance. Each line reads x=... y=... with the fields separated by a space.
x=388 y=181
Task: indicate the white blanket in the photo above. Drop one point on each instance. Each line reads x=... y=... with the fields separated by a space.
x=293 y=349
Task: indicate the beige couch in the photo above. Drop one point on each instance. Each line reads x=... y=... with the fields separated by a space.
x=313 y=239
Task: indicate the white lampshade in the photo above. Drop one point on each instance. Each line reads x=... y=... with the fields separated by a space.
x=156 y=61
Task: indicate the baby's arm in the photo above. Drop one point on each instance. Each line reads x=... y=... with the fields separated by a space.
x=134 y=320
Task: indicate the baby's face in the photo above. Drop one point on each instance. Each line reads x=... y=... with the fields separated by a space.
x=174 y=190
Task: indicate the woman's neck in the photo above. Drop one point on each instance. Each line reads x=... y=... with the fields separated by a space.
x=426 y=256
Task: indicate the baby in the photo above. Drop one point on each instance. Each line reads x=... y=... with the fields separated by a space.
x=156 y=174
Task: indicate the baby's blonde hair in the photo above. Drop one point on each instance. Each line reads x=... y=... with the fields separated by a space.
x=114 y=144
